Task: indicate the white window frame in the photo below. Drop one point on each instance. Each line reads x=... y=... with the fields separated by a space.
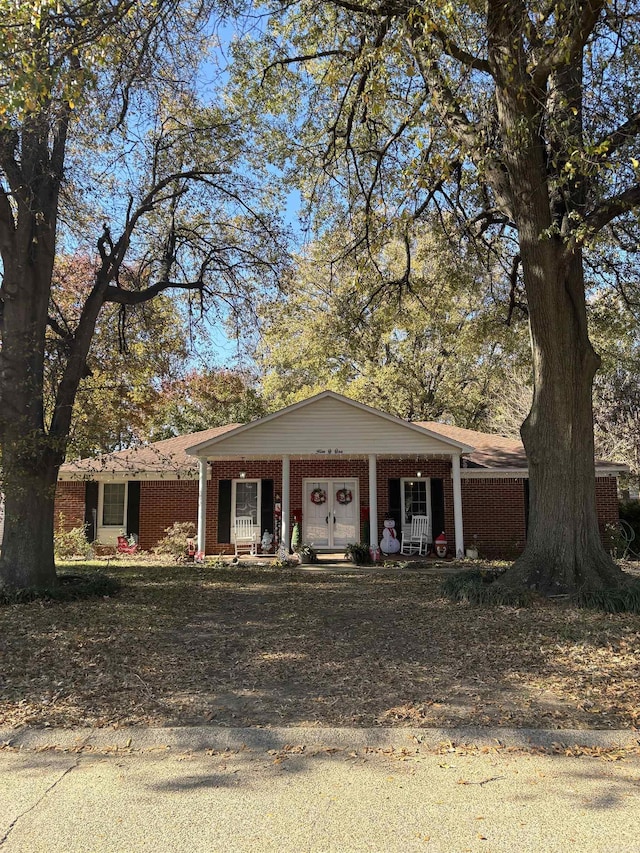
x=427 y=482
x=108 y=534
x=234 y=483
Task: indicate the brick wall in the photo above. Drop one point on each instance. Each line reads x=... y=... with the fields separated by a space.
x=161 y=503
x=69 y=502
x=493 y=509
x=607 y=501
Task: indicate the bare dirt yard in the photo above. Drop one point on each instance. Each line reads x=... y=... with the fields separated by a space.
x=186 y=645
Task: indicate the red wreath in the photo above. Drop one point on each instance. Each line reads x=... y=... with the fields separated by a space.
x=318 y=496
x=344 y=496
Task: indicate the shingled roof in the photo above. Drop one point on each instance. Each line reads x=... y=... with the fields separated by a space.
x=491 y=452
x=166 y=456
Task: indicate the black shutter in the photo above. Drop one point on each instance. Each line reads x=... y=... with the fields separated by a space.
x=526 y=506
x=224 y=511
x=91 y=509
x=437 y=507
x=266 y=506
x=133 y=508
x=395 y=504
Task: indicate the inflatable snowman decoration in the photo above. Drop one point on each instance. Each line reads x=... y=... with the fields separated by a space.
x=389 y=544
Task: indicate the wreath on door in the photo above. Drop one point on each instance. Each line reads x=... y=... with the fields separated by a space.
x=344 y=496
x=318 y=496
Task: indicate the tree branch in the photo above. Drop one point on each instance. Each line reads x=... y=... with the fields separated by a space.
x=577 y=25
x=121 y=296
x=9 y=142
x=617 y=138
x=607 y=211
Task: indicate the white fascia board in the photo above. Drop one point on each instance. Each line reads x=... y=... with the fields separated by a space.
x=515 y=473
x=202 y=448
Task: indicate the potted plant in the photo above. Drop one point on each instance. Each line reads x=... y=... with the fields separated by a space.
x=358 y=553
x=307 y=553
x=472 y=551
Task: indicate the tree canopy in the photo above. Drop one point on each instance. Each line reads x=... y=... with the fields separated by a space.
x=436 y=348
x=519 y=118
x=114 y=142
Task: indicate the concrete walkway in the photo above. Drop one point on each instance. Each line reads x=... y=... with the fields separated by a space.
x=210 y=789
x=399 y=563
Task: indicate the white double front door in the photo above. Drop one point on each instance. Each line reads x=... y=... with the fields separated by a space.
x=331 y=515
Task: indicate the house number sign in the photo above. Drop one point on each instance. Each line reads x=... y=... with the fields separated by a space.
x=331 y=451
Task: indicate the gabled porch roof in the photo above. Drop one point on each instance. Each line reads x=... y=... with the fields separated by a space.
x=328 y=424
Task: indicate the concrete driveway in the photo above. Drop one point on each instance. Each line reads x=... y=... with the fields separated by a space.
x=311 y=790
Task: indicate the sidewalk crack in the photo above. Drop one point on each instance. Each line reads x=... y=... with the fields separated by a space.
x=35 y=805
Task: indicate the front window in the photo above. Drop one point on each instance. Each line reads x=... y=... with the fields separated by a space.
x=416 y=499
x=113 y=504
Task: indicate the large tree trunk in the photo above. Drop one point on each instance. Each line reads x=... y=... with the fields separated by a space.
x=30 y=457
x=564 y=552
x=27 y=547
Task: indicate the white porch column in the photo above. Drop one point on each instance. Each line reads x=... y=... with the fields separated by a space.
x=202 y=504
x=373 y=500
x=457 y=506
x=286 y=504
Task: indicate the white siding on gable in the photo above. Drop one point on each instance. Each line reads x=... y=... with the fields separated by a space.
x=329 y=426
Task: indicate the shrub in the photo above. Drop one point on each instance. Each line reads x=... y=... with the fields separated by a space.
x=70 y=588
x=625 y=600
x=71 y=543
x=613 y=540
x=175 y=543
x=478 y=587
x=358 y=553
x=307 y=553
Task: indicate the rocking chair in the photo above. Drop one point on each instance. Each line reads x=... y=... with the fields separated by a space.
x=417 y=539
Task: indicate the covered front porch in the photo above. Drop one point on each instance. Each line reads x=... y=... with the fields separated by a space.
x=335 y=467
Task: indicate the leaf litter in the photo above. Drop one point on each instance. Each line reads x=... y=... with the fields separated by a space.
x=245 y=647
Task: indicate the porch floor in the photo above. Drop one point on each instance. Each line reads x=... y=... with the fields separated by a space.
x=335 y=561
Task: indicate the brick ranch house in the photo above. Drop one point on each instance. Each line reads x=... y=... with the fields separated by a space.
x=362 y=465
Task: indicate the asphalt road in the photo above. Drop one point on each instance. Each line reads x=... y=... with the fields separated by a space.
x=171 y=793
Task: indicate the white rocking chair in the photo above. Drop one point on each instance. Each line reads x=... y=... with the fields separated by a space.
x=245 y=536
x=417 y=538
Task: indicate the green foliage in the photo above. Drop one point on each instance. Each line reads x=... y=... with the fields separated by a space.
x=358 y=553
x=614 y=541
x=307 y=553
x=438 y=350
x=70 y=588
x=111 y=148
x=625 y=600
x=479 y=587
x=71 y=543
x=202 y=399
x=175 y=543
